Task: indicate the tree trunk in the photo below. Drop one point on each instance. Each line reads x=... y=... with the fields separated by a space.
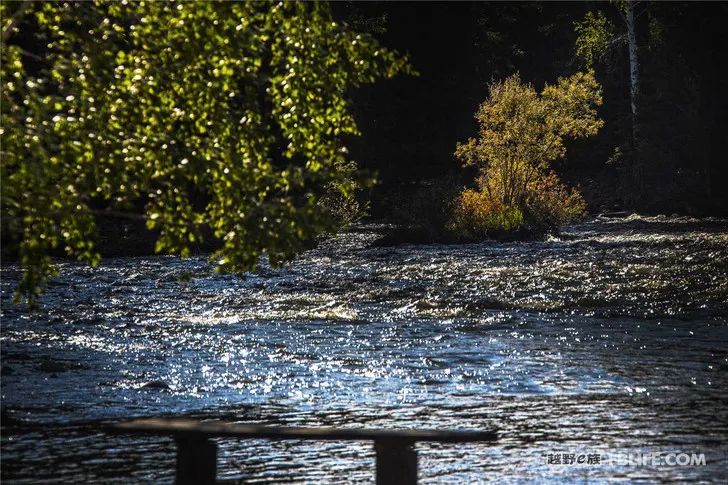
x=636 y=174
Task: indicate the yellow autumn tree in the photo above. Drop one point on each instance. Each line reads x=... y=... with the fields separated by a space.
x=521 y=132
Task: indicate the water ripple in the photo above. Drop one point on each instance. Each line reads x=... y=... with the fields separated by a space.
x=613 y=335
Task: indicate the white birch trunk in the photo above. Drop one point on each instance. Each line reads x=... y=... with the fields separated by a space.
x=634 y=92
x=634 y=69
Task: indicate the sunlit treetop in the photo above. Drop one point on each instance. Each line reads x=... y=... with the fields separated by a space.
x=522 y=131
x=227 y=115
x=516 y=123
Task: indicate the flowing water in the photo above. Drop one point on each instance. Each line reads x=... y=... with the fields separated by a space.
x=611 y=338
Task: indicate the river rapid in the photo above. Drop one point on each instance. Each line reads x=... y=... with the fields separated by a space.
x=611 y=338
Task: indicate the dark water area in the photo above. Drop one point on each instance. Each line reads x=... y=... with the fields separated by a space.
x=610 y=338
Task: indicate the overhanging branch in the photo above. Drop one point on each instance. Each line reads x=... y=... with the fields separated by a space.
x=7 y=29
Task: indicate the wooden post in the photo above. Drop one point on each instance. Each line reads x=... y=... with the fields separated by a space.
x=196 y=460
x=396 y=462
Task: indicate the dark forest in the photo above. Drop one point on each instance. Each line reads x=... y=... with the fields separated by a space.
x=459 y=47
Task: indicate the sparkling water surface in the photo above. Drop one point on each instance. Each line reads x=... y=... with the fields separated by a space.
x=611 y=337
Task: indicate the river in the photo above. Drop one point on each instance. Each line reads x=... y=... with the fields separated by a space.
x=607 y=339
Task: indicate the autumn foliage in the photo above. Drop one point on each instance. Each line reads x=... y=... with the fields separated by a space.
x=521 y=132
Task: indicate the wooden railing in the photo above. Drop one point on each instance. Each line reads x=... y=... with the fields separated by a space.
x=197 y=453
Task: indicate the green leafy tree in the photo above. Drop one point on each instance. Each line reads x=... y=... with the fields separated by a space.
x=227 y=115
x=595 y=38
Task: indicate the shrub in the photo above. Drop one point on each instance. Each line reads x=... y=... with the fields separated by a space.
x=344 y=210
x=520 y=133
x=476 y=214
x=550 y=203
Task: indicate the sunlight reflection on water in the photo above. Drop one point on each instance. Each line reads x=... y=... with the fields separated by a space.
x=612 y=335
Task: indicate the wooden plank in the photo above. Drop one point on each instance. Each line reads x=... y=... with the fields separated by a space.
x=196 y=461
x=396 y=462
x=177 y=426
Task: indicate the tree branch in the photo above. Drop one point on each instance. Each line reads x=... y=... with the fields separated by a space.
x=120 y=215
x=7 y=30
